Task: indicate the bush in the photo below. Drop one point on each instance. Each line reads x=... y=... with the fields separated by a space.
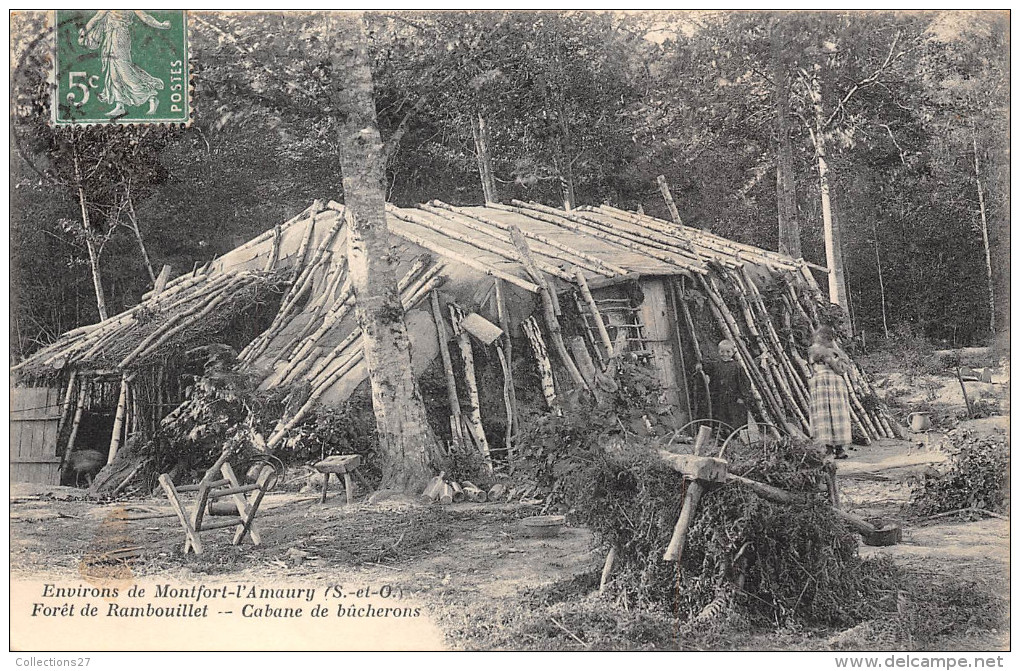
x=222 y=408
x=348 y=428
x=768 y=563
x=551 y=446
x=976 y=476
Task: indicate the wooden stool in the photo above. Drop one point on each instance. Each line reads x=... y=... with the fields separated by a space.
x=239 y=512
x=341 y=464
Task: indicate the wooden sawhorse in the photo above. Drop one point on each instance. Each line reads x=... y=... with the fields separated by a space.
x=239 y=512
x=341 y=464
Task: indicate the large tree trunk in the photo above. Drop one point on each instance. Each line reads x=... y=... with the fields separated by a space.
x=786 y=192
x=405 y=440
x=97 y=276
x=833 y=247
x=984 y=235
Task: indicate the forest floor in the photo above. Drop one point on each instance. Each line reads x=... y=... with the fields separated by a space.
x=479 y=582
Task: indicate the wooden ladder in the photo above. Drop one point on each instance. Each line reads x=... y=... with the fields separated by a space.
x=625 y=316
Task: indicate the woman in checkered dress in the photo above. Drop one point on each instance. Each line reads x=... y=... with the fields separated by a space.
x=830 y=403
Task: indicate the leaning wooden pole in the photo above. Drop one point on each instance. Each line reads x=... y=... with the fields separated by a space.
x=593 y=308
x=508 y=349
x=667 y=195
x=451 y=381
x=548 y=304
x=675 y=319
x=118 y=421
x=474 y=414
x=696 y=346
x=65 y=407
x=75 y=423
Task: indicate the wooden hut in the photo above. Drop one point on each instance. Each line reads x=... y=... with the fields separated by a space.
x=532 y=292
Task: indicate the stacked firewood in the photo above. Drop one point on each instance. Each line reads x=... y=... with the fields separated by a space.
x=443 y=490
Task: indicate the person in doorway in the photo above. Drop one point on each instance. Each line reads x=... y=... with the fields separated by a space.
x=729 y=388
x=830 y=402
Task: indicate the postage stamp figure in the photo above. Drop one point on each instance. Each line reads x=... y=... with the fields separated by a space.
x=121 y=66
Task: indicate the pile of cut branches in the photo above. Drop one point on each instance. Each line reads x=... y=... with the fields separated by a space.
x=766 y=562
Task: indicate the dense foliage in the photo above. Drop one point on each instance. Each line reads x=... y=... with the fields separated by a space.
x=605 y=101
x=976 y=476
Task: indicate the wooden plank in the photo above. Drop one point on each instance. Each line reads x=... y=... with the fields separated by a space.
x=47 y=474
x=47 y=447
x=43 y=418
x=658 y=331
x=28 y=441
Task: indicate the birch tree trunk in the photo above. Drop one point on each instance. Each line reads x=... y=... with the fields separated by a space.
x=480 y=131
x=833 y=248
x=405 y=440
x=564 y=165
x=881 y=280
x=786 y=193
x=138 y=236
x=984 y=233
x=90 y=243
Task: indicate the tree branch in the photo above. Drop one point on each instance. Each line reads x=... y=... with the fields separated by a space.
x=892 y=137
x=890 y=58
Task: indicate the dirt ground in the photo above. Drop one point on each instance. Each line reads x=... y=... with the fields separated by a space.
x=476 y=554
x=461 y=563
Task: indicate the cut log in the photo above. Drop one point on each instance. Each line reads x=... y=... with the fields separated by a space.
x=481 y=328
x=607 y=569
x=473 y=492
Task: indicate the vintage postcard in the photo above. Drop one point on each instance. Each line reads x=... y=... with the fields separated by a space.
x=510 y=330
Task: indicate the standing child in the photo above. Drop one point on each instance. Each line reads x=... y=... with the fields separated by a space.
x=830 y=402
x=728 y=387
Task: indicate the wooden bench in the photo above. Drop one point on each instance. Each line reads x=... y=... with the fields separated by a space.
x=341 y=464
x=239 y=512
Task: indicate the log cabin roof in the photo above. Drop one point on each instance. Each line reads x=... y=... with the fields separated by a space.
x=314 y=336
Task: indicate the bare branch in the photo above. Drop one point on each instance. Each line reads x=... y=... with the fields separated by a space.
x=890 y=58
x=892 y=137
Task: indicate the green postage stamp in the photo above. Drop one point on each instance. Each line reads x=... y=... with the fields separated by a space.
x=121 y=66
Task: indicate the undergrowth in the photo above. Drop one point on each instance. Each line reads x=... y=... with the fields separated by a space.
x=771 y=564
x=975 y=476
